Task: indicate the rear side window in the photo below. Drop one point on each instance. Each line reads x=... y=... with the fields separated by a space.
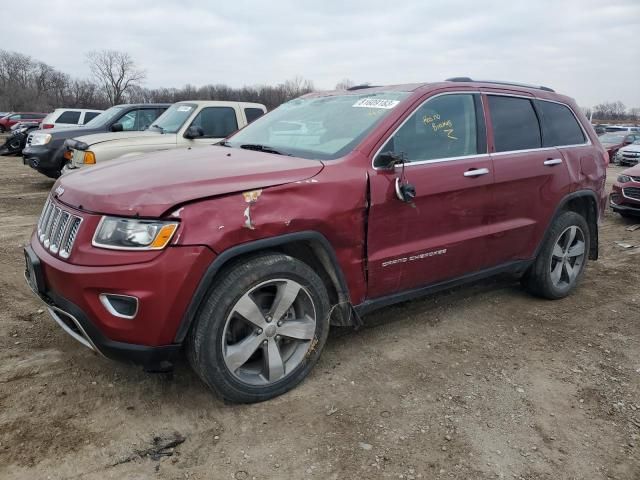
x=515 y=124
x=559 y=125
x=217 y=122
x=88 y=116
x=252 y=114
x=69 y=117
x=443 y=127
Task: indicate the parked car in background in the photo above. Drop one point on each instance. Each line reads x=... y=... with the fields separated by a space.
x=628 y=155
x=17 y=140
x=45 y=150
x=184 y=124
x=69 y=117
x=613 y=141
x=333 y=205
x=11 y=119
x=600 y=129
x=621 y=128
x=625 y=194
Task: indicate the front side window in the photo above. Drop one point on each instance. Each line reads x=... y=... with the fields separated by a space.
x=128 y=121
x=322 y=127
x=443 y=127
x=559 y=125
x=69 y=117
x=216 y=122
x=515 y=124
x=105 y=117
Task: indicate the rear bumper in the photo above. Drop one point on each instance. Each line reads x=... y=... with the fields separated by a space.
x=41 y=158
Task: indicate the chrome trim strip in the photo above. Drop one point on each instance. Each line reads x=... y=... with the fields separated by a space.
x=629 y=198
x=83 y=339
x=104 y=299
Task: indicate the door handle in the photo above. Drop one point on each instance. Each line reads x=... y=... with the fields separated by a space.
x=552 y=161
x=476 y=172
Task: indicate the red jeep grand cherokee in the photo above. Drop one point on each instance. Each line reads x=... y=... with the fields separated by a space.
x=332 y=205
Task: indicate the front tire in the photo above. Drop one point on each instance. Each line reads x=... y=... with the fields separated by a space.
x=559 y=266
x=261 y=329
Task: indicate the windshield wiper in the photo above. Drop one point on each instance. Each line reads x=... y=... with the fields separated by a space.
x=223 y=143
x=262 y=148
x=158 y=127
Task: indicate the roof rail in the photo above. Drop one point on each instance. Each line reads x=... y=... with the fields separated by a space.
x=515 y=84
x=360 y=87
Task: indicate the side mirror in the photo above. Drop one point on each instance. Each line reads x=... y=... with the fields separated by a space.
x=388 y=160
x=117 y=127
x=194 y=132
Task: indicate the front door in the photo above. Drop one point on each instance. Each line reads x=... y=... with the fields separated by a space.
x=441 y=234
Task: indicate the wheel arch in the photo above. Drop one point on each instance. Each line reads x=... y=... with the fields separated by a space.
x=311 y=247
x=585 y=203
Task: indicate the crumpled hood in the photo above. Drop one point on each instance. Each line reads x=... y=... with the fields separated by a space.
x=148 y=185
x=145 y=137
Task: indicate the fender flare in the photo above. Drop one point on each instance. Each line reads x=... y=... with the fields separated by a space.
x=263 y=244
x=593 y=251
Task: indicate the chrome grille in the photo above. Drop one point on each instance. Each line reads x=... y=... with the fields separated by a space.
x=57 y=229
x=632 y=192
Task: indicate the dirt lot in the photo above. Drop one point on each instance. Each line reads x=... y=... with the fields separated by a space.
x=481 y=382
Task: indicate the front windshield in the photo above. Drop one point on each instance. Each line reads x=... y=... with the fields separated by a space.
x=173 y=118
x=612 y=138
x=105 y=117
x=323 y=128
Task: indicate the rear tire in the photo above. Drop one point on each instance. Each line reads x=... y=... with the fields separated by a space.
x=261 y=328
x=559 y=266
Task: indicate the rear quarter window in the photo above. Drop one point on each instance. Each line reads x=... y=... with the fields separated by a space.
x=88 y=116
x=253 y=113
x=559 y=125
x=515 y=124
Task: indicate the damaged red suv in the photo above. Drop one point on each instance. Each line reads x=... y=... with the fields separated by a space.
x=244 y=253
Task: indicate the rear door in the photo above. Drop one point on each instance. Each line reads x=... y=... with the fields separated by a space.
x=441 y=234
x=530 y=178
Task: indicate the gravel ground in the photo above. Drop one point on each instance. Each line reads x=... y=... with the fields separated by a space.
x=483 y=381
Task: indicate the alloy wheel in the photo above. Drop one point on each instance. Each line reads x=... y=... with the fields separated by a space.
x=567 y=257
x=269 y=331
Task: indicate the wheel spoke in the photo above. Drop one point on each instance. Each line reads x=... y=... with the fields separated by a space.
x=275 y=366
x=237 y=355
x=572 y=236
x=577 y=250
x=557 y=251
x=556 y=273
x=571 y=271
x=287 y=293
x=248 y=310
x=303 y=329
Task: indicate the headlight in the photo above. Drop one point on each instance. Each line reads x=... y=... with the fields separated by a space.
x=40 y=139
x=131 y=234
x=624 y=178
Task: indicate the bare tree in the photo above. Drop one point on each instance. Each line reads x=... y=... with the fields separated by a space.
x=116 y=72
x=345 y=84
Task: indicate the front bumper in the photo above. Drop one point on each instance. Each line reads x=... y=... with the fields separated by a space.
x=71 y=294
x=41 y=158
x=621 y=203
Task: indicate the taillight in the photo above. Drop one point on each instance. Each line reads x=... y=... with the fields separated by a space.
x=47 y=125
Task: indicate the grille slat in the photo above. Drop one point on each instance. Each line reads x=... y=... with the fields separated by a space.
x=632 y=192
x=57 y=229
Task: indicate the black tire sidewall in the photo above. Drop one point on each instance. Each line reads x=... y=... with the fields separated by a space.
x=538 y=279
x=205 y=339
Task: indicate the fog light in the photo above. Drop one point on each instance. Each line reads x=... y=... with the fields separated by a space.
x=122 y=306
x=615 y=198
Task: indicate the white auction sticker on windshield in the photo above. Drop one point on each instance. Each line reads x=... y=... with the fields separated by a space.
x=184 y=108
x=376 y=103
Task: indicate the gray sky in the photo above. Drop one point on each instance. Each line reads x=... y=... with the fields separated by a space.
x=587 y=49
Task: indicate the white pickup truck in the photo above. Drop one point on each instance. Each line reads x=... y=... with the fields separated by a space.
x=184 y=124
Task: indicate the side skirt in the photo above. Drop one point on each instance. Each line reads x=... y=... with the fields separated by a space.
x=368 y=306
